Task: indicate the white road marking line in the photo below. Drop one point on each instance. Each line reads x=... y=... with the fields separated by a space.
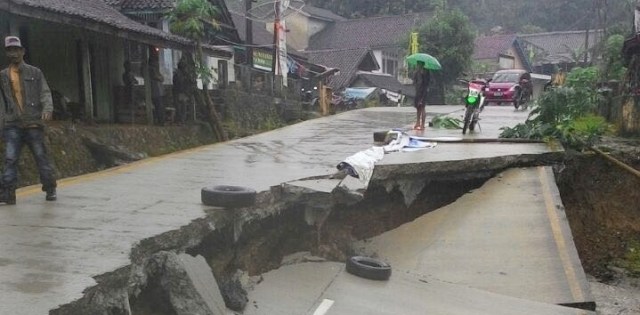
x=324 y=307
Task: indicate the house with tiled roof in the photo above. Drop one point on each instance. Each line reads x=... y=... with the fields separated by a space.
x=262 y=54
x=560 y=50
x=497 y=52
x=302 y=20
x=380 y=37
x=305 y=22
x=349 y=61
x=154 y=13
x=384 y=35
x=80 y=45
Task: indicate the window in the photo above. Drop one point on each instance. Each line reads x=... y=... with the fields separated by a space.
x=390 y=63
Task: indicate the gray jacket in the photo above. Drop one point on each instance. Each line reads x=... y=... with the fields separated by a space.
x=37 y=97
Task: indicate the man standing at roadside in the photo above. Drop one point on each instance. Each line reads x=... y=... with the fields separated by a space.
x=28 y=105
x=421 y=80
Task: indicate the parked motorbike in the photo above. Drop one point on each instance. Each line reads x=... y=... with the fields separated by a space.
x=309 y=98
x=474 y=103
x=340 y=102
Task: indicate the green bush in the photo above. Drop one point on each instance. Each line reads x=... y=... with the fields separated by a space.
x=580 y=78
x=565 y=113
x=614 y=68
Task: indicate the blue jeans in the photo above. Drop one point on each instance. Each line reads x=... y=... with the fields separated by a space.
x=15 y=138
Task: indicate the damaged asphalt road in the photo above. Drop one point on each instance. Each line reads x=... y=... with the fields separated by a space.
x=92 y=242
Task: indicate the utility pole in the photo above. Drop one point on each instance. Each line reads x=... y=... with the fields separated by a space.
x=276 y=46
x=279 y=63
x=637 y=17
x=249 y=32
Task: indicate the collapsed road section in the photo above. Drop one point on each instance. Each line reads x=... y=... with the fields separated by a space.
x=491 y=225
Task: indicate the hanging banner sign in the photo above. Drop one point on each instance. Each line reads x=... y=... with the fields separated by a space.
x=262 y=59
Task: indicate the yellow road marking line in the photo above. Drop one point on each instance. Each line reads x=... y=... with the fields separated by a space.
x=70 y=181
x=561 y=243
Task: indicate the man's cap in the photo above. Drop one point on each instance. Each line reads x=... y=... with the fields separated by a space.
x=12 y=41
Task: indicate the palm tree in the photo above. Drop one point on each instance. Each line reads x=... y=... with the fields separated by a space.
x=194 y=19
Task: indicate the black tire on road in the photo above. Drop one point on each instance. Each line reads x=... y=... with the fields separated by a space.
x=517 y=98
x=368 y=268
x=467 y=119
x=525 y=101
x=228 y=196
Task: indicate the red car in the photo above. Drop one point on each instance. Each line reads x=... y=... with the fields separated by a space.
x=509 y=86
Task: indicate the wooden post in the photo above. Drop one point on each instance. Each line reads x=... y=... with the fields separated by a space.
x=637 y=17
x=147 y=86
x=86 y=79
x=249 y=35
x=323 y=98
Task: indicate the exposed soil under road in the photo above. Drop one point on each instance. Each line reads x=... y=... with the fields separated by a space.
x=602 y=203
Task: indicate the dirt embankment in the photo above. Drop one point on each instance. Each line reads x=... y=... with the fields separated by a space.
x=602 y=202
x=77 y=149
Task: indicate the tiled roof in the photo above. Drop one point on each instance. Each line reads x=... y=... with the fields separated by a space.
x=98 y=12
x=387 y=82
x=113 y=3
x=264 y=8
x=489 y=47
x=348 y=61
x=322 y=13
x=561 y=46
x=377 y=32
x=147 y=4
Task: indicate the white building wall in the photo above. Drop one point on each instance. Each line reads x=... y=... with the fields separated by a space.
x=378 y=55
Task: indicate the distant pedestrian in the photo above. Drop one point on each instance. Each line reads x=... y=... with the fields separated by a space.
x=157 y=88
x=129 y=81
x=421 y=78
x=28 y=105
x=184 y=88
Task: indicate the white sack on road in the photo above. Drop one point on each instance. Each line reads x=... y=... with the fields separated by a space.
x=362 y=163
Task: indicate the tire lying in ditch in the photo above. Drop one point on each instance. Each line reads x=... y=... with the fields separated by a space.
x=368 y=268
x=228 y=196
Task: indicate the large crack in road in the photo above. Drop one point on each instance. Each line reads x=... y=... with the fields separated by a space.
x=295 y=217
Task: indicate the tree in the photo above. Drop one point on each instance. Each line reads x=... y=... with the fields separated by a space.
x=194 y=19
x=511 y=15
x=448 y=37
x=613 y=67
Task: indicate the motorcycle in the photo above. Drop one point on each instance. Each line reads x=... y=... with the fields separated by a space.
x=473 y=102
x=523 y=96
x=341 y=102
x=309 y=98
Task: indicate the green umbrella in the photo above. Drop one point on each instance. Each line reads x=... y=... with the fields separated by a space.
x=430 y=62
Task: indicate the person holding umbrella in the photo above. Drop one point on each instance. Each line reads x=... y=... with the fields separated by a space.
x=423 y=63
x=421 y=78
